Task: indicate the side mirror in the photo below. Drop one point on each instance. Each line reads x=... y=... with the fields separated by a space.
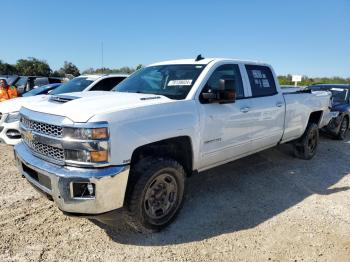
x=224 y=95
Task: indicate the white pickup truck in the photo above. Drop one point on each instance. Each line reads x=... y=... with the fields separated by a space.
x=132 y=149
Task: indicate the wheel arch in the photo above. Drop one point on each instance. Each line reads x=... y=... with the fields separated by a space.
x=315 y=117
x=178 y=148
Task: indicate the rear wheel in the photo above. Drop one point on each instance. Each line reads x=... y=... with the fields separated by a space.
x=343 y=129
x=306 y=146
x=155 y=193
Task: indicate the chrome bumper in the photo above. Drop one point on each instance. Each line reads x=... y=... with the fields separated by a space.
x=56 y=181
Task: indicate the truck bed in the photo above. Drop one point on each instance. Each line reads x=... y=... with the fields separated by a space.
x=299 y=105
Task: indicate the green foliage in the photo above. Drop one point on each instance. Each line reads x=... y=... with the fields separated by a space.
x=307 y=81
x=7 y=69
x=33 y=67
x=122 y=70
x=57 y=73
x=69 y=69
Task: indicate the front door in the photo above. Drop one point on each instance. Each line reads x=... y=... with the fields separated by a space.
x=225 y=128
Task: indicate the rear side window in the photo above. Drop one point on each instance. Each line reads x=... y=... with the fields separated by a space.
x=54 y=80
x=261 y=80
x=40 y=81
x=107 y=84
x=229 y=72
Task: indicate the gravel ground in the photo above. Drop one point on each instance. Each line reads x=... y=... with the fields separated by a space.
x=266 y=207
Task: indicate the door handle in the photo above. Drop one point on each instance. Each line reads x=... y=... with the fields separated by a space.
x=245 y=109
x=279 y=104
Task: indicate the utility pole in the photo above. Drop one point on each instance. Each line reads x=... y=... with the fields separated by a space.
x=102 y=57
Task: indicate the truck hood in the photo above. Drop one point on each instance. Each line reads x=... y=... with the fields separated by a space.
x=14 y=105
x=80 y=107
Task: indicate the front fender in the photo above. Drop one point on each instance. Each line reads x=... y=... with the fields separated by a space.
x=136 y=127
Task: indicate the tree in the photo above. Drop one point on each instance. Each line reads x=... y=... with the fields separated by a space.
x=7 y=69
x=33 y=66
x=88 y=71
x=70 y=69
x=106 y=70
x=57 y=73
x=139 y=66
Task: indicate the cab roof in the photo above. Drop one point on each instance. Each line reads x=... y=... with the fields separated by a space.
x=204 y=61
x=98 y=76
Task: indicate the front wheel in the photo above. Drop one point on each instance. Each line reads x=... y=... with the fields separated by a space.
x=306 y=146
x=155 y=193
x=343 y=129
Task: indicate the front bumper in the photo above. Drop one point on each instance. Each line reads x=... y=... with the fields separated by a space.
x=334 y=124
x=328 y=117
x=57 y=182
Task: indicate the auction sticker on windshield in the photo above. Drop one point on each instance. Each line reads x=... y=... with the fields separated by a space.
x=185 y=82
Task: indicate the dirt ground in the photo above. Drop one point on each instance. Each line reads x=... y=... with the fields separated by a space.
x=266 y=207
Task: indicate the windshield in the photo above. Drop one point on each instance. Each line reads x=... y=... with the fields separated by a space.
x=77 y=84
x=172 y=81
x=22 y=81
x=339 y=94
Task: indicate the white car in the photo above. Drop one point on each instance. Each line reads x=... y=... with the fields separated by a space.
x=9 y=110
x=131 y=150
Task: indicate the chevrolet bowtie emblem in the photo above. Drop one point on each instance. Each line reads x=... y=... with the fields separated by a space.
x=29 y=136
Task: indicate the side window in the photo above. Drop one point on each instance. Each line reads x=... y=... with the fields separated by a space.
x=261 y=80
x=40 y=81
x=107 y=84
x=230 y=72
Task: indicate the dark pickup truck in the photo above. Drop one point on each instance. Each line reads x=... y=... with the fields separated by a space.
x=339 y=125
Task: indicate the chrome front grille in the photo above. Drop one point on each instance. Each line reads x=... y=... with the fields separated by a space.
x=50 y=152
x=33 y=130
x=42 y=128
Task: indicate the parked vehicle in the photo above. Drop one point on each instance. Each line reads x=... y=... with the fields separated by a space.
x=27 y=83
x=10 y=79
x=42 y=90
x=132 y=149
x=292 y=86
x=9 y=110
x=339 y=125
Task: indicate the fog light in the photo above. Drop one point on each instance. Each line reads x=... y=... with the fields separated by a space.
x=90 y=188
x=83 y=190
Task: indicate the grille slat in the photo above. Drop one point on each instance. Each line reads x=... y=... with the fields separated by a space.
x=52 y=154
x=43 y=128
x=45 y=150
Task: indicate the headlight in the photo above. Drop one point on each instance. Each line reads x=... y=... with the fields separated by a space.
x=12 y=117
x=87 y=156
x=86 y=133
x=94 y=150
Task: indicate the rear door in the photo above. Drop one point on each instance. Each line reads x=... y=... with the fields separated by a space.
x=266 y=107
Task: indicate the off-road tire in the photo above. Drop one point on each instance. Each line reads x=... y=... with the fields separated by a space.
x=141 y=176
x=306 y=146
